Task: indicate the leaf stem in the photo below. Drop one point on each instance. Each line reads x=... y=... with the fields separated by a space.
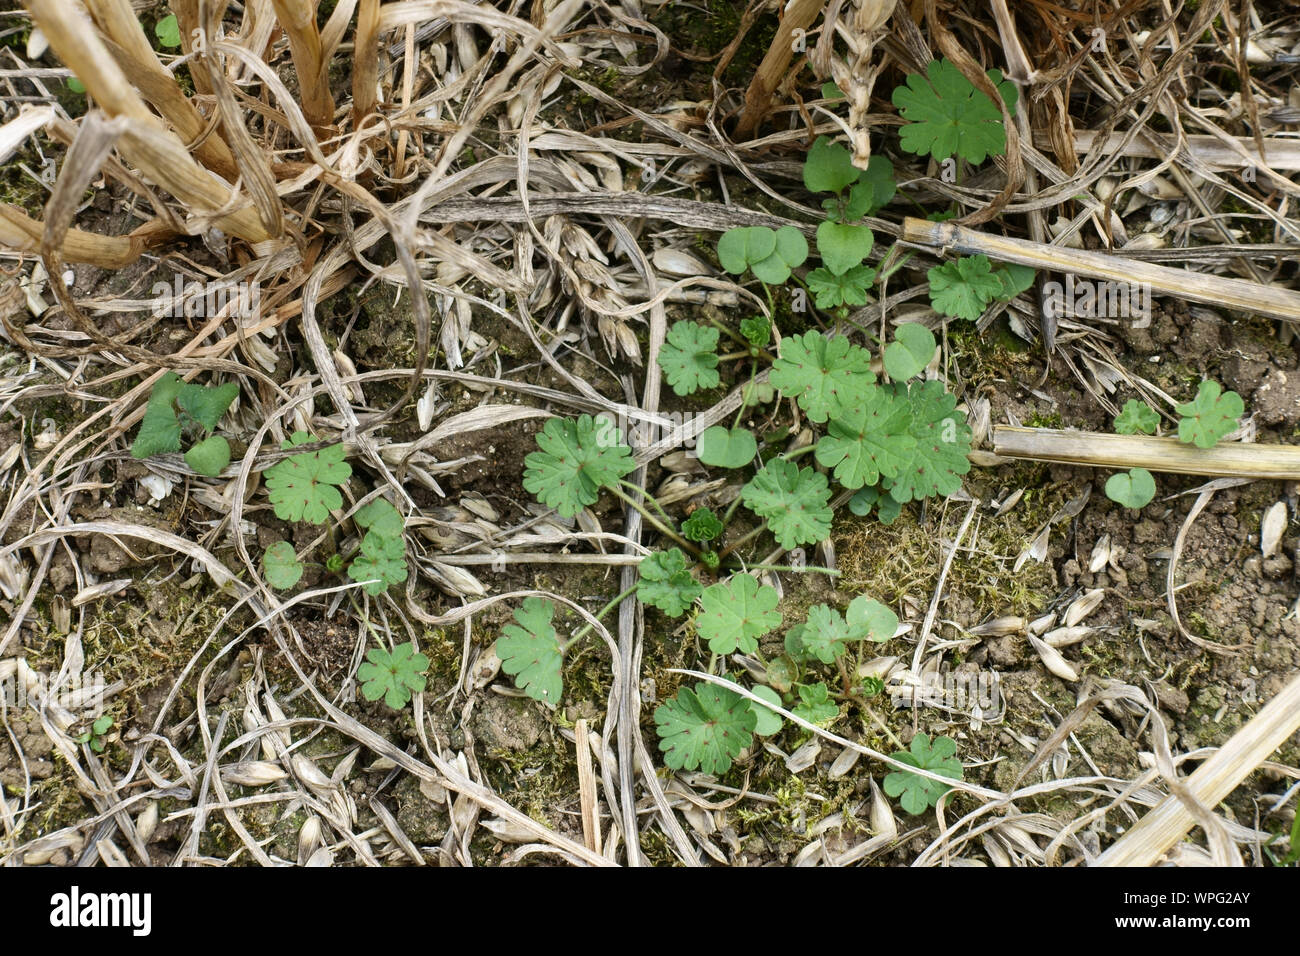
x=587 y=628
x=654 y=522
x=736 y=544
x=792 y=455
x=816 y=569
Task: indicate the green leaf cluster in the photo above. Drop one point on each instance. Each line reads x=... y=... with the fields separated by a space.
x=666 y=582
x=1209 y=417
x=920 y=793
x=177 y=408
x=828 y=168
x=382 y=560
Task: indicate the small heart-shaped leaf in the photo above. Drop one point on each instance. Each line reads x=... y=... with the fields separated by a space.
x=910 y=352
x=726 y=447
x=1132 y=489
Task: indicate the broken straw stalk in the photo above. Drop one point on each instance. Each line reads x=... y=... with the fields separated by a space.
x=1212 y=290
x=1098 y=450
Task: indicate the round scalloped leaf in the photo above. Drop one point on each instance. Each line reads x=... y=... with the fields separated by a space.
x=381 y=518
x=689 y=357
x=382 y=562
x=735 y=613
x=530 y=652
x=1212 y=415
x=795 y=501
x=920 y=793
x=822 y=373
x=392 y=676
x=666 y=582
x=868 y=440
x=705 y=728
x=815 y=705
x=301 y=488
x=943 y=438
x=1136 y=417
x=947 y=115
x=964 y=287
x=576 y=460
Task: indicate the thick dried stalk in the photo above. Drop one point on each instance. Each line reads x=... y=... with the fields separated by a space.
x=1096 y=450
x=187 y=18
x=861 y=27
x=1210 y=289
x=22 y=233
x=298 y=17
x=758 y=98
x=1283 y=155
x=1155 y=833
x=365 y=62
x=131 y=49
x=147 y=144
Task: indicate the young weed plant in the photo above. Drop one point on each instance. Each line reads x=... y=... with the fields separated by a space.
x=889 y=439
x=1204 y=421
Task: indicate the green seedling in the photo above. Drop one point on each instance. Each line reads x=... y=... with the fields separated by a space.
x=305 y=487
x=99 y=729
x=1133 y=488
x=1137 y=417
x=393 y=676
x=920 y=793
x=181 y=412
x=1211 y=416
x=770 y=254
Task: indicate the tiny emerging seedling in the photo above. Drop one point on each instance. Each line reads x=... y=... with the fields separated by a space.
x=98 y=731
x=181 y=412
